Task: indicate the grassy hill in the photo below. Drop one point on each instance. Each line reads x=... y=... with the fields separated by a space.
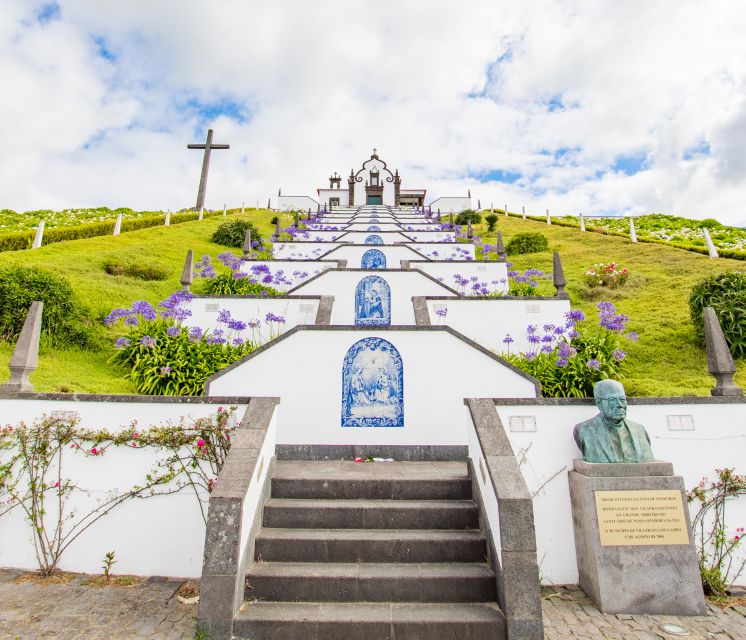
x=665 y=361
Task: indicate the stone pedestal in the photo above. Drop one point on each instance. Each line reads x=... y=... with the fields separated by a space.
x=641 y=558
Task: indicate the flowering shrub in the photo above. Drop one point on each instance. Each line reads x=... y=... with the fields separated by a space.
x=165 y=358
x=235 y=281
x=609 y=275
x=716 y=546
x=526 y=283
x=569 y=359
x=726 y=294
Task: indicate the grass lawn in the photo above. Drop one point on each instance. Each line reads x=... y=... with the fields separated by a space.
x=665 y=361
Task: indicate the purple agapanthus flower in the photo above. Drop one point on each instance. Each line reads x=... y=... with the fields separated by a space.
x=593 y=363
x=172 y=332
x=122 y=343
x=195 y=334
x=147 y=341
x=144 y=309
x=618 y=354
x=165 y=371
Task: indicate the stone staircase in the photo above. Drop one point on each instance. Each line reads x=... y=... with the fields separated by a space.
x=386 y=550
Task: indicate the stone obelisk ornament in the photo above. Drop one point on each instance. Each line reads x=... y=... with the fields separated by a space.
x=610 y=436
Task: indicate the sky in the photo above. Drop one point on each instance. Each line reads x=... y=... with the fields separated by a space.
x=594 y=106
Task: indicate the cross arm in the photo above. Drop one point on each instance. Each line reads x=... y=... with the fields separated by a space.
x=196 y=146
x=220 y=146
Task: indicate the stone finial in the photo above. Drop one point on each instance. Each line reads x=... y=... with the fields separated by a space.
x=632 y=230
x=39 y=235
x=246 y=247
x=451 y=217
x=277 y=228
x=558 y=277
x=297 y=220
x=167 y=222
x=25 y=356
x=269 y=204
x=187 y=275
x=469 y=230
x=711 y=248
x=479 y=205
x=439 y=216
x=582 y=222
x=201 y=213
x=500 y=247
x=719 y=359
x=118 y=225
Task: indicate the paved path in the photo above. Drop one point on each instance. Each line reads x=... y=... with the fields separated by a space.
x=569 y=614
x=150 y=610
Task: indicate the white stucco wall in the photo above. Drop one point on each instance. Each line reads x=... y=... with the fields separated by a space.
x=341 y=193
x=488 y=321
x=718 y=441
x=295 y=311
x=446 y=251
x=448 y=204
x=305 y=369
x=492 y=273
x=292 y=270
x=302 y=250
x=388 y=237
x=162 y=535
x=354 y=253
x=296 y=203
x=403 y=285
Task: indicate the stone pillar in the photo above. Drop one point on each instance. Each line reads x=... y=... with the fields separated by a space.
x=711 y=249
x=469 y=231
x=118 y=225
x=201 y=213
x=243 y=207
x=549 y=218
x=558 y=277
x=439 y=217
x=524 y=212
x=187 y=274
x=582 y=222
x=500 y=247
x=225 y=209
x=167 y=221
x=297 y=220
x=638 y=565
x=39 y=235
x=506 y=210
x=25 y=356
x=277 y=228
x=246 y=247
x=351 y=189
x=451 y=217
x=632 y=230
x=719 y=359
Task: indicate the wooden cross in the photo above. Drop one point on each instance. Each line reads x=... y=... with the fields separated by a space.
x=208 y=146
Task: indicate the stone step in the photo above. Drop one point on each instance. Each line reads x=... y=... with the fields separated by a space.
x=370 y=545
x=373 y=582
x=371 y=514
x=375 y=481
x=368 y=621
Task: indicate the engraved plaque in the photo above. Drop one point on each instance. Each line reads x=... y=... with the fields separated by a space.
x=646 y=517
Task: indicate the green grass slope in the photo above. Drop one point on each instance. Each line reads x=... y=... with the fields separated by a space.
x=665 y=361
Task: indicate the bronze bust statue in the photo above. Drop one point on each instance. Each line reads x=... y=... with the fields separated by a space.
x=609 y=436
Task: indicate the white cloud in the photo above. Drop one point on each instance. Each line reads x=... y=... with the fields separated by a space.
x=554 y=91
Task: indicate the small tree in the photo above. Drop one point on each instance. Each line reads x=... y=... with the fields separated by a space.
x=491 y=221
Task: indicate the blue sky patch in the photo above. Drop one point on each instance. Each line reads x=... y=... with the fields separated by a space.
x=102 y=49
x=207 y=111
x=700 y=149
x=50 y=11
x=630 y=165
x=497 y=175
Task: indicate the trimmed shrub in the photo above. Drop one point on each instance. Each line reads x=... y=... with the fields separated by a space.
x=226 y=284
x=63 y=321
x=726 y=294
x=138 y=270
x=466 y=215
x=491 y=220
x=527 y=242
x=231 y=234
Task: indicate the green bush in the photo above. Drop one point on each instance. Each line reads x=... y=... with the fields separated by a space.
x=138 y=270
x=527 y=242
x=274 y=220
x=63 y=320
x=231 y=234
x=468 y=214
x=226 y=284
x=710 y=223
x=163 y=364
x=491 y=221
x=726 y=294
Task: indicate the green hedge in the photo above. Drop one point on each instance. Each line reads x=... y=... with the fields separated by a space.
x=18 y=241
x=724 y=253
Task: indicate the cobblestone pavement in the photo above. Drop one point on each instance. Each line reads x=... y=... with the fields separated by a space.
x=73 y=611
x=569 y=614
